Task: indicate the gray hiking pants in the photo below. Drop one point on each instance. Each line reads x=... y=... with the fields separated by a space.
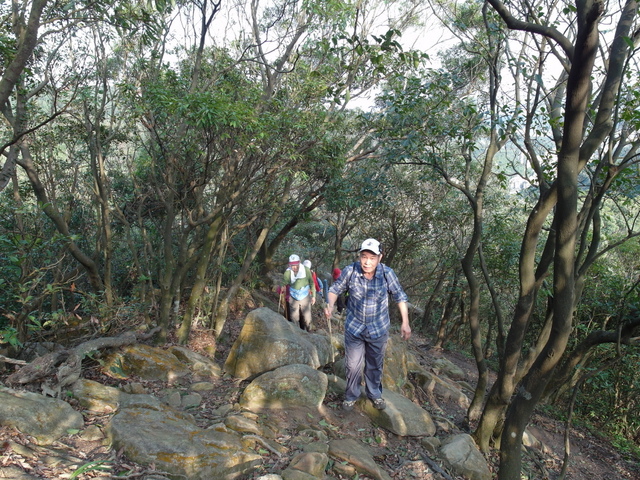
x=359 y=350
x=300 y=312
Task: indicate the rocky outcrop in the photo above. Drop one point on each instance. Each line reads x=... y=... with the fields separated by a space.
x=100 y=398
x=145 y=362
x=442 y=386
x=402 y=416
x=198 y=364
x=448 y=368
x=395 y=376
x=287 y=345
x=462 y=455
x=173 y=443
x=358 y=457
x=163 y=430
x=286 y=387
x=45 y=419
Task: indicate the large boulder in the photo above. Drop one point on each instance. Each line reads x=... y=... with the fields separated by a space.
x=358 y=455
x=442 y=387
x=268 y=341
x=402 y=416
x=306 y=465
x=395 y=375
x=144 y=361
x=199 y=364
x=285 y=387
x=13 y=472
x=463 y=457
x=44 y=418
x=450 y=369
x=173 y=443
x=100 y=398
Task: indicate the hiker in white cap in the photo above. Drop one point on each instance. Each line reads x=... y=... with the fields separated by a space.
x=302 y=292
x=366 y=328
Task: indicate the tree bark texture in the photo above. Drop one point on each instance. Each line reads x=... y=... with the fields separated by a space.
x=534 y=383
x=200 y=281
x=89 y=265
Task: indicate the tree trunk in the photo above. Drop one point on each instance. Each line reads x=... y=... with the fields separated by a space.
x=535 y=381
x=343 y=228
x=200 y=281
x=474 y=317
x=499 y=317
x=428 y=308
x=446 y=314
x=462 y=320
x=94 y=141
x=26 y=35
x=265 y=255
x=89 y=265
x=530 y=279
x=166 y=292
x=223 y=309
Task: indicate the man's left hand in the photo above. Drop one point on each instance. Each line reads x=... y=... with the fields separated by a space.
x=405 y=331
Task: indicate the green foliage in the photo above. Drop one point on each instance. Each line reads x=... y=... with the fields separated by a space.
x=9 y=335
x=38 y=292
x=237 y=132
x=364 y=186
x=117 y=369
x=453 y=128
x=609 y=400
x=367 y=61
x=94 y=465
x=611 y=394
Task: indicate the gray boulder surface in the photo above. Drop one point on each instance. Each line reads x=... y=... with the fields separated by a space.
x=174 y=444
x=163 y=410
x=287 y=345
x=46 y=419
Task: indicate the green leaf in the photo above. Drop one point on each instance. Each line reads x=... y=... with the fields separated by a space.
x=98 y=465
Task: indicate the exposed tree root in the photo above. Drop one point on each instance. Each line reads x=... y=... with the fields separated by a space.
x=63 y=367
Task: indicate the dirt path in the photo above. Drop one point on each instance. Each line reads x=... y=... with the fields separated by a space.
x=590 y=458
x=403 y=458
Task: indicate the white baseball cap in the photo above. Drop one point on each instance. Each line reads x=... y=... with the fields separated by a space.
x=294 y=260
x=307 y=263
x=372 y=245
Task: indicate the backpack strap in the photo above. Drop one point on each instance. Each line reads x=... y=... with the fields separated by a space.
x=353 y=271
x=384 y=274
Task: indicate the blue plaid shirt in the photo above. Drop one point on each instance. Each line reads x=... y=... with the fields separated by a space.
x=368 y=305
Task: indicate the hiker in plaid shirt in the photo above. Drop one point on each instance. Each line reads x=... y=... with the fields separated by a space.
x=366 y=329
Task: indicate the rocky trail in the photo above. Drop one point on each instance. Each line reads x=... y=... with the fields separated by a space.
x=85 y=454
